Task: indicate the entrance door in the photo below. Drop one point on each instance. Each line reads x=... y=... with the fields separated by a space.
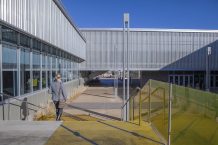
x=182 y=80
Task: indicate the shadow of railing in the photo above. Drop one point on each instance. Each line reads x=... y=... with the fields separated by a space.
x=95 y=113
x=79 y=135
x=131 y=132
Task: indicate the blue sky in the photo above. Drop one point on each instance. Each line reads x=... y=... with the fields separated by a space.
x=180 y=14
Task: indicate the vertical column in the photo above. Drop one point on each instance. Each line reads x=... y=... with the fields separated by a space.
x=169 y=113
x=31 y=65
x=50 y=70
x=46 y=70
x=126 y=26
x=149 y=102
x=31 y=70
x=40 y=84
x=208 y=53
x=18 y=71
x=124 y=86
x=1 y=60
x=128 y=70
x=1 y=84
x=18 y=66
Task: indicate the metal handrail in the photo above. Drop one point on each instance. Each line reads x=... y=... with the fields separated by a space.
x=141 y=101
x=130 y=98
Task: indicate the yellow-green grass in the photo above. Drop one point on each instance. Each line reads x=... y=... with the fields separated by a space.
x=103 y=133
x=188 y=128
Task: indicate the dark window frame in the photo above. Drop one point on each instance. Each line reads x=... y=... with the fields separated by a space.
x=7 y=39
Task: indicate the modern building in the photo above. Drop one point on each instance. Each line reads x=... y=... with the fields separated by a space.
x=37 y=40
x=172 y=55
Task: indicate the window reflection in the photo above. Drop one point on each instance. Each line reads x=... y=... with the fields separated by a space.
x=53 y=60
x=9 y=35
x=25 y=83
x=9 y=68
x=36 y=71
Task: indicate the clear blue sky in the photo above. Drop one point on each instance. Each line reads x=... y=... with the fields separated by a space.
x=187 y=14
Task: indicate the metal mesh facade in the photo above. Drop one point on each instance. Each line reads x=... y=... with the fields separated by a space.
x=151 y=49
x=46 y=20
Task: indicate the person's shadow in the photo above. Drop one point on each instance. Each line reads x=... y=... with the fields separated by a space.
x=24 y=109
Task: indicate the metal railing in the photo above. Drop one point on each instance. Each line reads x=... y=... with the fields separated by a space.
x=25 y=106
x=180 y=115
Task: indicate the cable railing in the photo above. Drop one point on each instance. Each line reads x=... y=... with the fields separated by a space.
x=180 y=115
x=24 y=106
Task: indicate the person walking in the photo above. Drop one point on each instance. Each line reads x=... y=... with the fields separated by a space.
x=58 y=96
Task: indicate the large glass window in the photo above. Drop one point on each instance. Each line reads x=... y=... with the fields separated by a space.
x=9 y=35
x=25 y=82
x=54 y=67
x=36 y=71
x=49 y=70
x=64 y=70
x=24 y=40
x=69 y=75
x=44 y=71
x=9 y=68
x=36 y=45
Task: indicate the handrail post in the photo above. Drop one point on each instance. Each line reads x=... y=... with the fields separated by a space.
x=9 y=108
x=27 y=110
x=149 y=102
x=140 y=107
x=3 y=106
x=164 y=105
x=169 y=114
x=121 y=114
x=133 y=109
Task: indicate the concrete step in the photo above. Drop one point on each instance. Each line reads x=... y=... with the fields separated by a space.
x=26 y=132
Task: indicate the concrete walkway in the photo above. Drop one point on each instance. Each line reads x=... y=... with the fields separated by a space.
x=96 y=99
x=26 y=132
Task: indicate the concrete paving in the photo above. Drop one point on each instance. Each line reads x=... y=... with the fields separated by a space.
x=97 y=99
x=26 y=132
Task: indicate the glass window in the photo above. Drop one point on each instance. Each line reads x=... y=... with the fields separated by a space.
x=9 y=68
x=36 y=45
x=44 y=69
x=43 y=79
x=54 y=63
x=64 y=70
x=216 y=81
x=49 y=70
x=9 y=57
x=53 y=75
x=36 y=71
x=25 y=83
x=9 y=35
x=212 y=81
x=43 y=61
x=171 y=79
x=54 y=67
x=24 y=40
x=10 y=82
x=49 y=78
x=36 y=60
x=69 y=78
